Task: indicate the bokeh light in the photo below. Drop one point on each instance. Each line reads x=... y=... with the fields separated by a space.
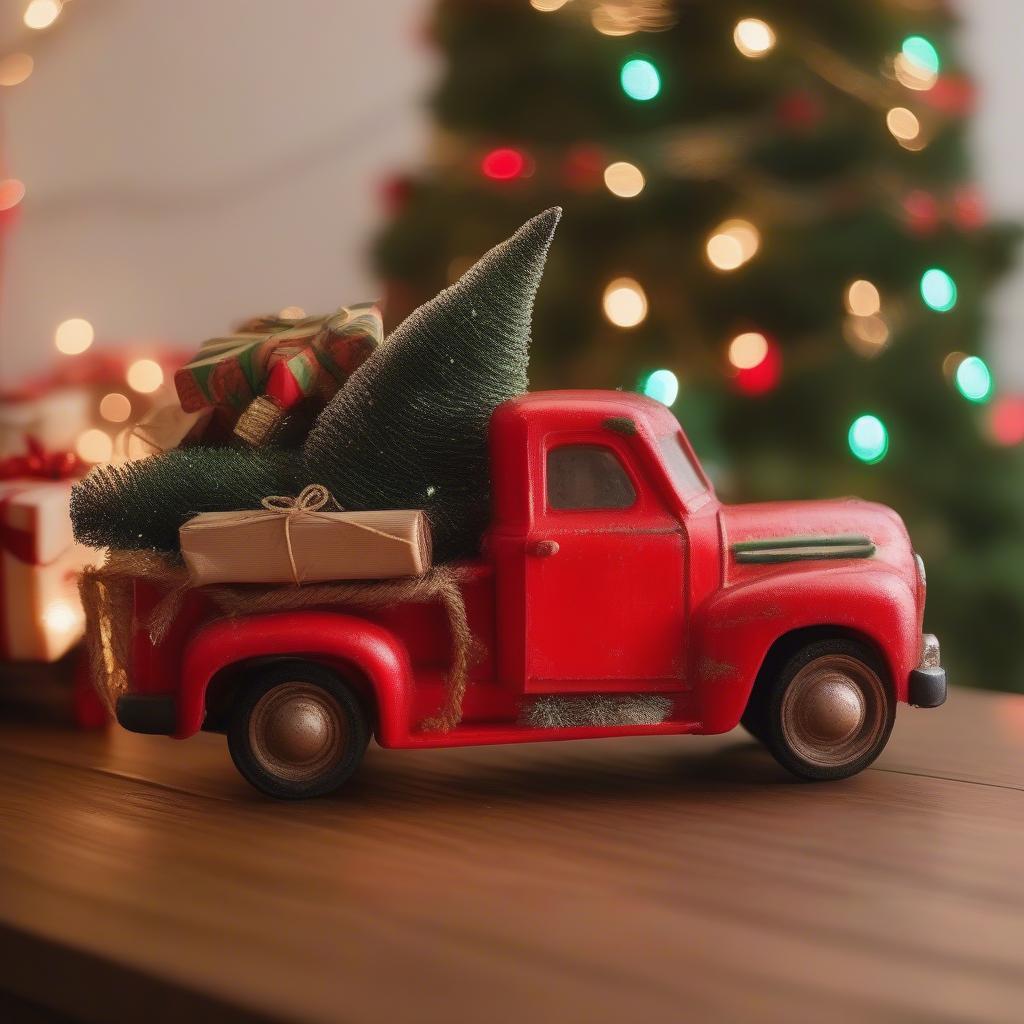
x=73 y=336
x=42 y=13
x=12 y=192
x=640 y=79
x=862 y=299
x=145 y=376
x=938 y=290
x=663 y=386
x=15 y=68
x=753 y=37
x=503 y=164
x=115 y=407
x=548 y=5
x=1006 y=420
x=912 y=75
x=94 y=446
x=903 y=124
x=866 y=335
x=62 y=616
x=748 y=350
x=732 y=244
x=763 y=376
x=921 y=54
x=624 y=180
x=868 y=439
x=973 y=379
x=624 y=302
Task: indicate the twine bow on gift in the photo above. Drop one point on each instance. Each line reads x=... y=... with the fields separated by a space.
x=309 y=500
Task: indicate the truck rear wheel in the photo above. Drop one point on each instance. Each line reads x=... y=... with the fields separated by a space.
x=297 y=731
x=830 y=712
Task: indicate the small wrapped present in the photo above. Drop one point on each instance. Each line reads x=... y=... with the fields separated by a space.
x=266 y=370
x=40 y=614
x=292 y=540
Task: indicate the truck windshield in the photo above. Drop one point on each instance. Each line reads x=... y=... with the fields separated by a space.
x=682 y=471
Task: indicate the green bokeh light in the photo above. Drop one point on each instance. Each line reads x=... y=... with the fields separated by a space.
x=640 y=79
x=938 y=290
x=974 y=379
x=920 y=52
x=868 y=438
x=662 y=385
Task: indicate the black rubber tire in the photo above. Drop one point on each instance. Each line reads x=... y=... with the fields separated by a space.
x=755 y=718
x=774 y=737
x=352 y=715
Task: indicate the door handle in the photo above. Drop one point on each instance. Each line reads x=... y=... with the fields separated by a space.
x=542 y=548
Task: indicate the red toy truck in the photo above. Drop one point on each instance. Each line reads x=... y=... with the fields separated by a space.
x=614 y=596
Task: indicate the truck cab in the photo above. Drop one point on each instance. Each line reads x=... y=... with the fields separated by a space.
x=614 y=595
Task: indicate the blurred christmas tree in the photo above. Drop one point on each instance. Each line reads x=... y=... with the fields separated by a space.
x=769 y=209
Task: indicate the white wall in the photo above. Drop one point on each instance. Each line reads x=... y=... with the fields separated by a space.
x=190 y=162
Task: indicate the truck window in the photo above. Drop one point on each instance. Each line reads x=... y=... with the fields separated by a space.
x=680 y=468
x=587 y=476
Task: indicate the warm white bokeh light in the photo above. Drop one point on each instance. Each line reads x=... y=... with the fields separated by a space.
x=624 y=302
x=903 y=124
x=145 y=376
x=862 y=299
x=62 y=616
x=913 y=75
x=15 y=68
x=115 y=407
x=866 y=335
x=732 y=244
x=42 y=13
x=73 y=336
x=624 y=180
x=753 y=37
x=94 y=446
x=748 y=350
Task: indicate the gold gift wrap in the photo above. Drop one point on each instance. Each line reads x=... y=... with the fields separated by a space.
x=292 y=540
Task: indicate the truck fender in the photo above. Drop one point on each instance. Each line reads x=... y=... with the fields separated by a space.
x=317 y=635
x=736 y=628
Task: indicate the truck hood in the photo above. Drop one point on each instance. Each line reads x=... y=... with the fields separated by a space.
x=794 y=536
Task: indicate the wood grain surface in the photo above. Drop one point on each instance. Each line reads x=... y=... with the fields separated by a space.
x=658 y=879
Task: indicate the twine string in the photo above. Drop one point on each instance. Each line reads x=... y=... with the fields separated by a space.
x=310 y=499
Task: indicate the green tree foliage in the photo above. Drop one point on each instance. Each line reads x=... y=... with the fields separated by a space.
x=795 y=142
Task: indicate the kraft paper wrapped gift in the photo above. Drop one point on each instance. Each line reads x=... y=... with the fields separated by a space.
x=40 y=614
x=292 y=540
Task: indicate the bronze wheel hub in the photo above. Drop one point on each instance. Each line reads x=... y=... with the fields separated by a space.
x=297 y=731
x=833 y=710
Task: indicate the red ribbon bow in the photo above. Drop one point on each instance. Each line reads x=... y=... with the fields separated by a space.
x=39 y=464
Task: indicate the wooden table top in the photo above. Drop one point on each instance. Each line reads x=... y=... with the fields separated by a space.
x=669 y=878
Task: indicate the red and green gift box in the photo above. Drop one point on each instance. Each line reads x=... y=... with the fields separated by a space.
x=257 y=376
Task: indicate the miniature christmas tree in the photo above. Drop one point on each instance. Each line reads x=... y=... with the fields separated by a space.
x=773 y=216
x=408 y=429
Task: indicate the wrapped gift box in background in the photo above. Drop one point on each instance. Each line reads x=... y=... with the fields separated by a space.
x=40 y=614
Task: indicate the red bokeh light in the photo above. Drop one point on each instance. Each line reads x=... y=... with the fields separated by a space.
x=760 y=379
x=922 y=212
x=1006 y=420
x=503 y=164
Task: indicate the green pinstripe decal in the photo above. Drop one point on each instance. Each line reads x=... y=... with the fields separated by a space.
x=803 y=548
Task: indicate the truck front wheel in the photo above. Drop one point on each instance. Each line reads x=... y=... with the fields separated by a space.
x=830 y=711
x=297 y=731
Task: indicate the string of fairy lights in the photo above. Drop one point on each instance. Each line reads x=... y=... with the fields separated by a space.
x=753 y=359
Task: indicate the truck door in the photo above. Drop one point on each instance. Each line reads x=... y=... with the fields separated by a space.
x=604 y=575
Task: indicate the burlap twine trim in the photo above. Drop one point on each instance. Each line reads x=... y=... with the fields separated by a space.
x=107 y=596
